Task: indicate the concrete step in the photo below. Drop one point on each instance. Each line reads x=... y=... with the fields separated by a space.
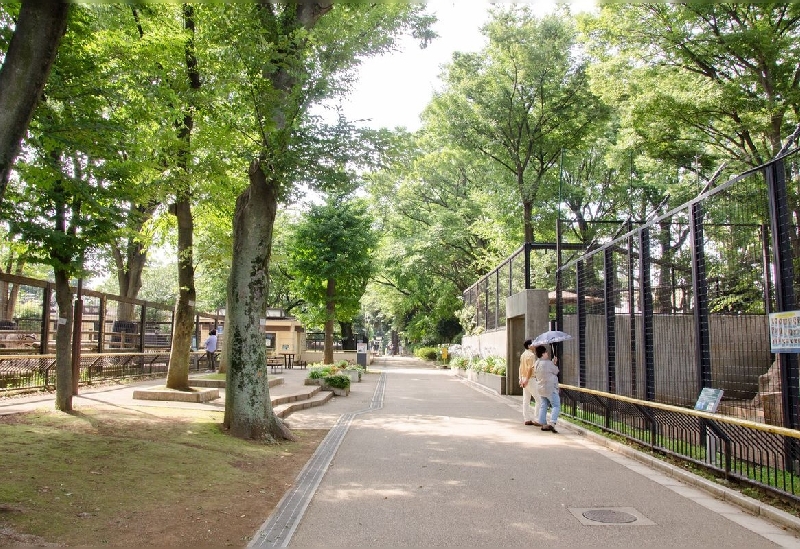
x=300 y=401
x=220 y=383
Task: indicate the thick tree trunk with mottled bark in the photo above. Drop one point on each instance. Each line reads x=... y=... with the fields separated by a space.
x=248 y=409
x=26 y=67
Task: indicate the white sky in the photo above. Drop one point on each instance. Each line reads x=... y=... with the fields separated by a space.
x=394 y=89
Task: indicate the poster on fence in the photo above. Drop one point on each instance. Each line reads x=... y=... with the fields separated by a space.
x=709 y=400
x=784 y=332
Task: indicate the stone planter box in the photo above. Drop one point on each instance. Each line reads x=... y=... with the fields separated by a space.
x=490 y=381
x=337 y=391
x=355 y=375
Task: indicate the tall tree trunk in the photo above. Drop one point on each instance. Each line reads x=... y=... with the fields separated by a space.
x=63 y=342
x=26 y=67
x=183 y=325
x=348 y=337
x=330 y=318
x=248 y=409
x=9 y=292
x=130 y=266
x=527 y=212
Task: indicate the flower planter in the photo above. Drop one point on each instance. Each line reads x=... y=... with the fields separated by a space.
x=490 y=381
x=339 y=392
x=355 y=375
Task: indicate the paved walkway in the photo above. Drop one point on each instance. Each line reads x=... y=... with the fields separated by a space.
x=418 y=457
x=430 y=460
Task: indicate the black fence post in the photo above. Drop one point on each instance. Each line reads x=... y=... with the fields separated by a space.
x=611 y=335
x=101 y=324
x=142 y=327
x=780 y=221
x=497 y=300
x=767 y=268
x=632 y=316
x=528 y=248
x=559 y=282
x=581 y=292
x=702 y=347
x=647 y=315
x=47 y=295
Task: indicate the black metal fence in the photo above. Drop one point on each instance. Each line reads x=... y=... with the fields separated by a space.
x=119 y=337
x=486 y=299
x=679 y=304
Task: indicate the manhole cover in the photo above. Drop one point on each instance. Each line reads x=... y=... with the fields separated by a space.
x=607 y=516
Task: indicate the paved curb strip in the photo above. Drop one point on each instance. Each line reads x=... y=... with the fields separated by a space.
x=751 y=505
x=277 y=531
x=748 y=504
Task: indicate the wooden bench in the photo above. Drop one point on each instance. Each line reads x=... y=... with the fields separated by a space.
x=275 y=364
x=301 y=364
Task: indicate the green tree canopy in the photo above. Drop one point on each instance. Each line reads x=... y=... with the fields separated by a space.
x=330 y=261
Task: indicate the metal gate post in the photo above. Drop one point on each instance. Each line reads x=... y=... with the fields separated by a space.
x=784 y=281
x=702 y=347
x=580 y=290
x=647 y=315
x=611 y=336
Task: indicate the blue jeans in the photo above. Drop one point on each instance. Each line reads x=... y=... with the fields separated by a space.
x=553 y=401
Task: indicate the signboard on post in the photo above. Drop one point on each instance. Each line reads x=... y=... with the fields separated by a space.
x=784 y=332
x=361 y=353
x=709 y=400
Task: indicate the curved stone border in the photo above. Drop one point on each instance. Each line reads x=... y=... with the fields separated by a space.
x=277 y=531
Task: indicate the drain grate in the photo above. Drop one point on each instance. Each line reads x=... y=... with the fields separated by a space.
x=277 y=531
x=608 y=516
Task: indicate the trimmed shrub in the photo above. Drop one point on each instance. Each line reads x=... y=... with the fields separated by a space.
x=427 y=353
x=338 y=381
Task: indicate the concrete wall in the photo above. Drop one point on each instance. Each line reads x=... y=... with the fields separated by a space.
x=527 y=315
x=486 y=344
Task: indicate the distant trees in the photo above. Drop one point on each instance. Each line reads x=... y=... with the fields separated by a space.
x=330 y=262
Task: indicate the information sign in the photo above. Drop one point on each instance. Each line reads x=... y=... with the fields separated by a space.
x=709 y=400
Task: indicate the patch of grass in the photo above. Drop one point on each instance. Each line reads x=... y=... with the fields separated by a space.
x=134 y=477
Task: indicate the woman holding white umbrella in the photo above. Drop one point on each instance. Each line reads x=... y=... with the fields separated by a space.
x=546 y=373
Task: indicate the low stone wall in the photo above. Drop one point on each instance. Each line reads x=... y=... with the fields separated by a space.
x=492 y=382
x=313 y=357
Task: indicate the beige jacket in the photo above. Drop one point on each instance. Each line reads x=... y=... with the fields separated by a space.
x=526 y=361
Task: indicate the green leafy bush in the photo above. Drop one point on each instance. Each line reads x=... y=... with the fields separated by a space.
x=319 y=372
x=338 y=381
x=460 y=362
x=427 y=353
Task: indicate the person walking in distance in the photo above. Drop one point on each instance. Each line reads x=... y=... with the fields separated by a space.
x=211 y=349
x=546 y=373
x=526 y=381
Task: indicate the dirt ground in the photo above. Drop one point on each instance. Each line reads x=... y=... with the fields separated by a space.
x=111 y=477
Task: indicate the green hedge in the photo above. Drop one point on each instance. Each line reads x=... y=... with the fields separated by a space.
x=427 y=353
